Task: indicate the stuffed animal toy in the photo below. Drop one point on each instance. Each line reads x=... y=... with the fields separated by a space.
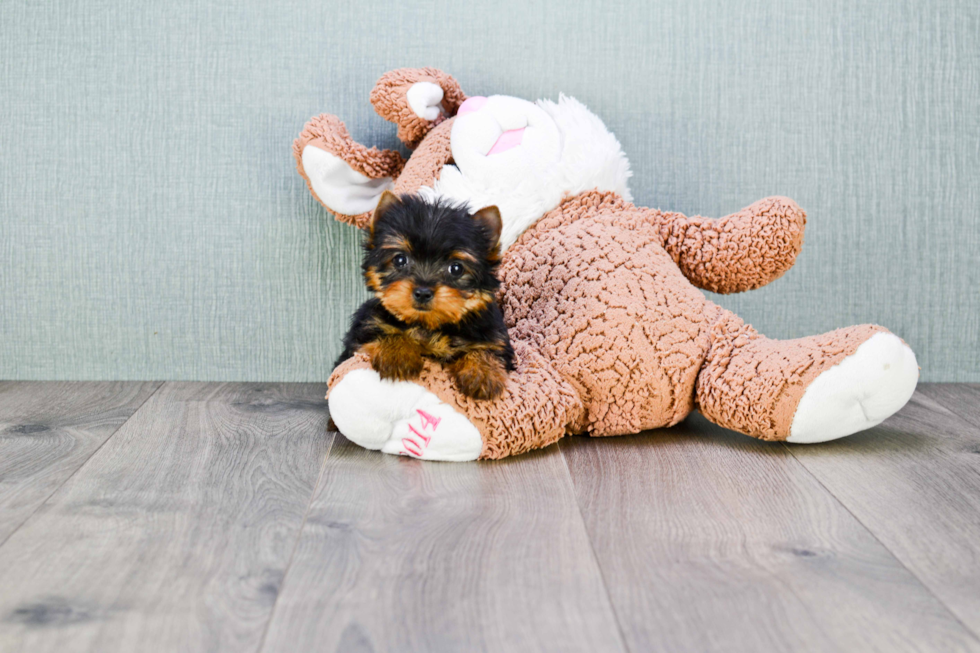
x=611 y=334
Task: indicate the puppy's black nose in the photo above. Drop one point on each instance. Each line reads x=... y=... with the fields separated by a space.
x=422 y=295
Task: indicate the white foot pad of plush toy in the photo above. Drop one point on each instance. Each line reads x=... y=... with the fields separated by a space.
x=400 y=417
x=861 y=391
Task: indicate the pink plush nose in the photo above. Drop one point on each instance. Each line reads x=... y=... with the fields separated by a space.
x=472 y=104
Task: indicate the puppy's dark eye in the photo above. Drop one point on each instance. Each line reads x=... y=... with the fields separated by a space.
x=399 y=260
x=456 y=269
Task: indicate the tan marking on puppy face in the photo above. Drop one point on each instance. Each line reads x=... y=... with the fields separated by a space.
x=477 y=301
x=448 y=305
x=399 y=243
x=397 y=298
x=461 y=255
x=372 y=279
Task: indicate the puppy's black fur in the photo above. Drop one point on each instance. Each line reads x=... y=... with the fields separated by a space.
x=431 y=267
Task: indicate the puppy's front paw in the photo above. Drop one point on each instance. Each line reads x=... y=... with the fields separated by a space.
x=394 y=360
x=480 y=375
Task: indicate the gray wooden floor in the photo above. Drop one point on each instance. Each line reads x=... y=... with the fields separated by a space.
x=225 y=517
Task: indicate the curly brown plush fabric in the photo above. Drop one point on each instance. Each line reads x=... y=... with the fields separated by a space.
x=601 y=299
x=727 y=255
x=389 y=100
x=597 y=295
x=426 y=162
x=591 y=287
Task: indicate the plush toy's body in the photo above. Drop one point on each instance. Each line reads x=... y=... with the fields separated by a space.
x=612 y=335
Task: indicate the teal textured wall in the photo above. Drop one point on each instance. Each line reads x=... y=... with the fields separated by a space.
x=152 y=224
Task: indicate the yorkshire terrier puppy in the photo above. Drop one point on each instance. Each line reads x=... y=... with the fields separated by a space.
x=431 y=267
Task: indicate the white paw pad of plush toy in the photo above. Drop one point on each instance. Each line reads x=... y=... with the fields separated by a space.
x=401 y=417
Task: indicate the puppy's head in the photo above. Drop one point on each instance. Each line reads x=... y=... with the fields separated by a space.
x=431 y=263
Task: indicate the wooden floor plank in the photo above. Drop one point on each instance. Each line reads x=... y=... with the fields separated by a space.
x=711 y=541
x=403 y=555
x=177 y=533
x=914 y=481
x=962 y=399
x=48 y=430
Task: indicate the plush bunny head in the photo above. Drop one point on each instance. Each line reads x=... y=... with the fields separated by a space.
x=524 y=157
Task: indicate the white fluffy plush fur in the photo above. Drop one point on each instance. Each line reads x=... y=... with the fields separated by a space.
x=590 y=158
x=860 y=392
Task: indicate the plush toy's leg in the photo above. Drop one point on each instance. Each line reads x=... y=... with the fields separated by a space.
x=432 y=420
x=806 y=390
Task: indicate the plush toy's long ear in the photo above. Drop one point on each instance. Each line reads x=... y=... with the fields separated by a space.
x=416 y=99
x=343 y=175
x=489 y=218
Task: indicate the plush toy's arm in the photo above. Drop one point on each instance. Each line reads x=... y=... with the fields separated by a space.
x=416 y=99
x=739 y=252
x=343 y=175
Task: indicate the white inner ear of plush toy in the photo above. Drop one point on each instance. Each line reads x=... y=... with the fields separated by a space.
x=339 y=187
x=425 y=100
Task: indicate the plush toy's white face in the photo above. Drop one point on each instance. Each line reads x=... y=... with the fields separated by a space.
x=524 y=157
x=503 y=140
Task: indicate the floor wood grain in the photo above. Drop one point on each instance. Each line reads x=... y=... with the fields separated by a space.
x=177 y=533
x=914 y=481
x=224 y=517
x=963 y=399
x=710 y=541
x=401 y=555
x=48 y=431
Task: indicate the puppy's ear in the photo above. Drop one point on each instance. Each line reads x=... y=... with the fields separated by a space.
x=489 y=218
x=388 y=200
